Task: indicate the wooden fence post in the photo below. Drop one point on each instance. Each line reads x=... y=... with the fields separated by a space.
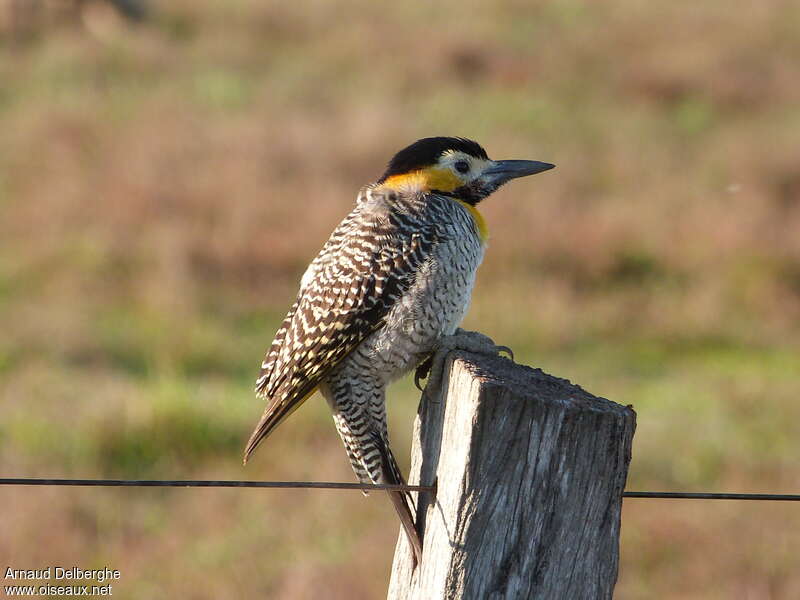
x=530 y=471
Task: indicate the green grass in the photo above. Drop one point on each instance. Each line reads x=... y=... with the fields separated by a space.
x=163 y=187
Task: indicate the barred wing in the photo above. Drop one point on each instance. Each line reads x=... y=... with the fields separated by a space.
x=356 y=281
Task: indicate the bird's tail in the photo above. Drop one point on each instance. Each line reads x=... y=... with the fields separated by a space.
x=402 y=504
x=278 y=409
x=400 y=499
x=373 y=462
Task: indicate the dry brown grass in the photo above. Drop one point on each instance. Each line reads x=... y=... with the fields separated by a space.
x=162 y=188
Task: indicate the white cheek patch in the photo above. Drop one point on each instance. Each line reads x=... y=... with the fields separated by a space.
x=477 y=165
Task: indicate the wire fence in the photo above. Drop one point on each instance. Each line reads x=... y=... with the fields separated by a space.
x=336 y=485
x=211 y=483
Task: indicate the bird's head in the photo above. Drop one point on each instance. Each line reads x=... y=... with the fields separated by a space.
x=454 y=167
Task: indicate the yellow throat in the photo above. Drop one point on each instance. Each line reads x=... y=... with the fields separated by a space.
x=436 y=178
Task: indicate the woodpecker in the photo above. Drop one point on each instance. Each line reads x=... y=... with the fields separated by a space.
x=384 y=295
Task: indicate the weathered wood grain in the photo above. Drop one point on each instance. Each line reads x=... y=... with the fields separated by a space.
x=530 y=471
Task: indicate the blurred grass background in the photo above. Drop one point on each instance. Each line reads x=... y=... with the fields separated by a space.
x=163 y=185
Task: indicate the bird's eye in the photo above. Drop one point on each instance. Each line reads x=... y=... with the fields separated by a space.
x=462 y=166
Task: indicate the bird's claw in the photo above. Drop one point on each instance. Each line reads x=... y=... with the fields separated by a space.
x=432 y=368
x=422 y=372
x=505 y=349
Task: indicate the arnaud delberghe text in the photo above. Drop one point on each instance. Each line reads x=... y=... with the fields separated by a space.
x=63 y=573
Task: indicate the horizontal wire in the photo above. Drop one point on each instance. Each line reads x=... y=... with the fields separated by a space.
x=335 y=485
x=324 y=485
x=712 y=496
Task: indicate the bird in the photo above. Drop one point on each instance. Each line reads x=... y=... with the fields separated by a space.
x=385 y=295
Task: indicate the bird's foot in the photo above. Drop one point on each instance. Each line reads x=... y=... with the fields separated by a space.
x=423 y=371
x=432 y=368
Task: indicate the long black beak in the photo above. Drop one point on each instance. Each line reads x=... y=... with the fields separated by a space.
x=505 y=170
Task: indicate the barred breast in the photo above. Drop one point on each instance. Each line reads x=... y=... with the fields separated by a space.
x=434 y=304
